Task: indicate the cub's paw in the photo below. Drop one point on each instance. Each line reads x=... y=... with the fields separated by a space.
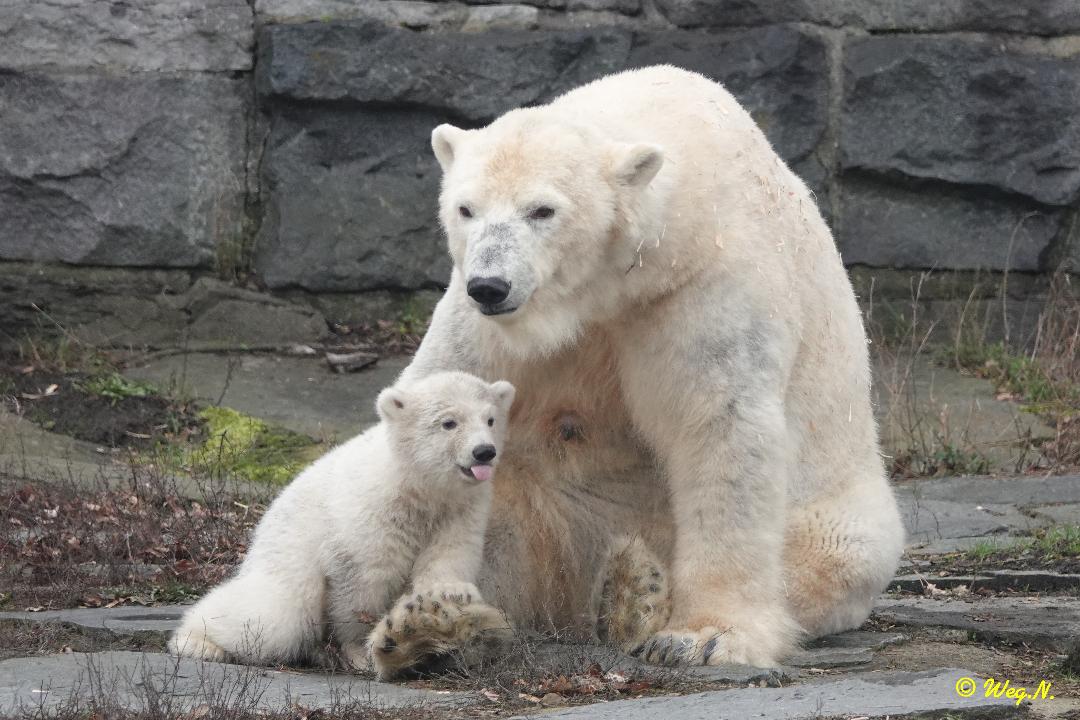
x=195 y=644
x=423 y=634
x=635 y=600
x=461 y=593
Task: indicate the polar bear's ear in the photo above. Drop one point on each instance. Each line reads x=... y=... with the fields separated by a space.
x=443 y=140
x=392 y=403
x=636 y=165
x=504 y=393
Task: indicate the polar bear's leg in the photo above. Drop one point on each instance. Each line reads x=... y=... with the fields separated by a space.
x=423 y=631
x=255 y=617
x=839 y=554
x=708 y=395
x=635 y=600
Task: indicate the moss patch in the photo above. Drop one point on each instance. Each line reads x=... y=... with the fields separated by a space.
x=246 y=447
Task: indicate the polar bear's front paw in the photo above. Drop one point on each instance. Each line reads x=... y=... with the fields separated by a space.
x=461 y=593
x=708 y=646
x=423 y=634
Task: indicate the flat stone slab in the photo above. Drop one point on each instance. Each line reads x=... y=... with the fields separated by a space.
x=126 y=620
x=976 y=419
x=1024 y=491
x=928 y=520
x=1027 y=580
x=872 y=694
x=1049 y=622
x=131 y=679
x=946 y=546
x=1064 y=514
x=300 y=393
x=847 y=649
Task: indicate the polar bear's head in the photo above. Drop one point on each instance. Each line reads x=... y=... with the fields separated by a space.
x=534 y=209
x=449 y=426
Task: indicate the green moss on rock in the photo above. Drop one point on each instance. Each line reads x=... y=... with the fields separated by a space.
x=249 y=448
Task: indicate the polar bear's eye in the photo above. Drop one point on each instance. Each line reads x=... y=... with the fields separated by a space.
x=542 y=213
x=491 y=422
x=465 y=212
x=449 y=424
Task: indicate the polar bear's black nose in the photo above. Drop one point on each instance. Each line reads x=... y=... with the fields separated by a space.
x=488 y=290
x=484 y=453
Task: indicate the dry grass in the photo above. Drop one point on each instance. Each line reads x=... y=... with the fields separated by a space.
x=1040 y=371
x=98 y=543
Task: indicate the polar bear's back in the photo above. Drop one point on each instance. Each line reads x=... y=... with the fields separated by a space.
x=662 y=104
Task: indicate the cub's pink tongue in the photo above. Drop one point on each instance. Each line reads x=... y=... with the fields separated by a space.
x=482 y=473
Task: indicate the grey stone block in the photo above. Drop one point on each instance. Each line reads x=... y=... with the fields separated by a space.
x=143 y=170
x=1030 y=490
x=118 y=621
x=473 y=76
x=930 y=226
x=352 y=201
x=141 y=35
x=872 y=694
x=1047 y=622
x=1045 y=17
x=963 y=111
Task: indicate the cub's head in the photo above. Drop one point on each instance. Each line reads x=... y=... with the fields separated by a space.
x=449 y=425
x=534 y=210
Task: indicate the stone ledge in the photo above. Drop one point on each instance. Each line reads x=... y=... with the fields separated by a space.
x=135 y=35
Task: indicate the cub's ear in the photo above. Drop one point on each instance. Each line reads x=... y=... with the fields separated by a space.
x=636 y=165
x=392 y=404
x=504 y=394
x=444 y=139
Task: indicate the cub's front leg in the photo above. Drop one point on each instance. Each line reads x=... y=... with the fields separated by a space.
x=443 y=620
x=711 y=405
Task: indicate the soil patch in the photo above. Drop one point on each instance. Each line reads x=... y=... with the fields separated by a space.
x=103 y=409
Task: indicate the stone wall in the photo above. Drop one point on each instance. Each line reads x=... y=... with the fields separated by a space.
x=285 y=142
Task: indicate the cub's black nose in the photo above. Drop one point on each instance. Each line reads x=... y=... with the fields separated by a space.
x=488 y=290
x=484 y=453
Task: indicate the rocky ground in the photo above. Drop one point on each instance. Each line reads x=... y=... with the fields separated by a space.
x=989 y=587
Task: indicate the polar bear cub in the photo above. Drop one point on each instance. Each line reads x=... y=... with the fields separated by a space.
x=406 y=502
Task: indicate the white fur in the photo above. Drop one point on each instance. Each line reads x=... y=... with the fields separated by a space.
x=686 y=307
x=388 y=509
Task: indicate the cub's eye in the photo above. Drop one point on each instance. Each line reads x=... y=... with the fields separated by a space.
x=542 y=213
x=464 y=211
x=491 y=422
x=449 y=424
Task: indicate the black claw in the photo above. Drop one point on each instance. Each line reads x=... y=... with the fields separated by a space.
x=708 y=650
x=638 y=650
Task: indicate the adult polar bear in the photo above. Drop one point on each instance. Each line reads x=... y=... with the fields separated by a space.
x=692 y=374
